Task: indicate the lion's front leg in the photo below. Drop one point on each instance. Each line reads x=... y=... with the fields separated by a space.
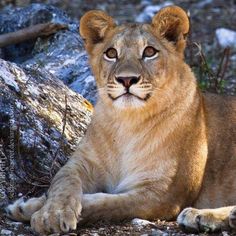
x=207 y=220
x=139 y=203
x=62 y=209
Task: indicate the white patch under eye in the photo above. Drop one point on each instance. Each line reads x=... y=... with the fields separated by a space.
x=108 y=58
x=152 y=57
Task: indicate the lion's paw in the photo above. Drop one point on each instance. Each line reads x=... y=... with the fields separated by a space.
x=55 y=218
x=193 y=220
x=22 y=209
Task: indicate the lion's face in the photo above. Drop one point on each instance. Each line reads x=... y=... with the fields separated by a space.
x=130 y=66
x=130 y=61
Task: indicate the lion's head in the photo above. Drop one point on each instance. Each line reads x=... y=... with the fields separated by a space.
x=132 y=62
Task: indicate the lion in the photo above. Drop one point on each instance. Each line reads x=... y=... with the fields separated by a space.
x=156 y=146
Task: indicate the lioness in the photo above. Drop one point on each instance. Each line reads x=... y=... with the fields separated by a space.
x=155 y=144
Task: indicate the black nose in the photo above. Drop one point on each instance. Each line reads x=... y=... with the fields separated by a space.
x=128 y=81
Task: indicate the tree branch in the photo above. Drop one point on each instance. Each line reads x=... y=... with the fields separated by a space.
x=30 y=32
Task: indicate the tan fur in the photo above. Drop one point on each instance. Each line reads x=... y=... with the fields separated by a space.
x=153 y=152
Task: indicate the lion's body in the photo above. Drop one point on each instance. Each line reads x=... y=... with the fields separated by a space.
x=133 y=151
x=152 y=150
x=219 y=185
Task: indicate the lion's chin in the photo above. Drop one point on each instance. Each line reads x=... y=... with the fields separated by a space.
x=128 y=101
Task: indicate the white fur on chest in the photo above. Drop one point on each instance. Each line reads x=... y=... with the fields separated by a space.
x=134 y=165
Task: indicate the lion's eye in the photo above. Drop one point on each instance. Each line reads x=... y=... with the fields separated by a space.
x=110 y=54
x=150 y=53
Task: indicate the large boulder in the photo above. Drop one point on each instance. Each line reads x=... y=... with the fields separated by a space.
x=41 y=122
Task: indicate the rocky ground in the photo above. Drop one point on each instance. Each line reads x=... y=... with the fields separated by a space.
x=51 y=60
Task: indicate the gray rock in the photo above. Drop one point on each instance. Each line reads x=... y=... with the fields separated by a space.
x=61 y=54
x=150 y=10
x=64 y=57
x=41 y=122
x=5 y=232
x=226 y=37
x=12 y=19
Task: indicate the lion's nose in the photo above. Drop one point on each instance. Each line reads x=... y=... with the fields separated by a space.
x=128 y=81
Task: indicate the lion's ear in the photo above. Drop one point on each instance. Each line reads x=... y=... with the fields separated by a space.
x=93 y=27
x=172 y=23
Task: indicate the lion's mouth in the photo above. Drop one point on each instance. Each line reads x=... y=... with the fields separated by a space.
x=127 y=95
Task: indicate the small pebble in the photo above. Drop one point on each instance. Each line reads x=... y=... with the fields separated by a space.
x=224 y=233
x=5 y=232
x=141 y=222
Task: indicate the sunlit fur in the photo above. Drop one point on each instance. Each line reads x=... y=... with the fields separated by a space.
x=152 y=153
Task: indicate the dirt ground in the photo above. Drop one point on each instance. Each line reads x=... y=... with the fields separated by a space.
x=205 y=19
x=157 y=228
